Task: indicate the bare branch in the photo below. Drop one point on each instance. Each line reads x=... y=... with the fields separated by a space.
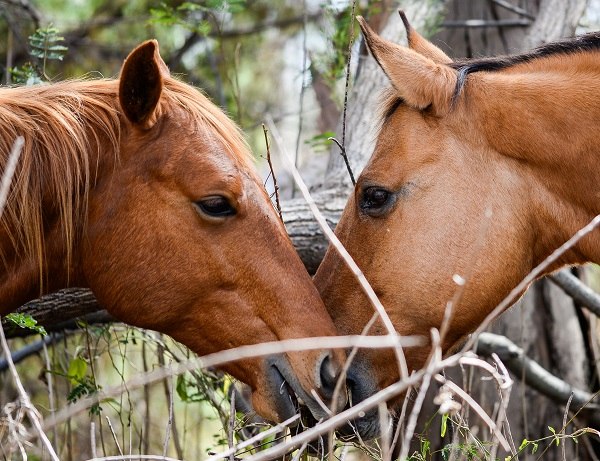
x=29 y=350
x=537 y=377
x=514 y=8
x=578 y=290
x=481 y=23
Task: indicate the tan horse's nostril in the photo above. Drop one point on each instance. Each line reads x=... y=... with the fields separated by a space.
x=329 y=375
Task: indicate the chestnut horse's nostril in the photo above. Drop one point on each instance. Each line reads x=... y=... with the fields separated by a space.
x=329 y=374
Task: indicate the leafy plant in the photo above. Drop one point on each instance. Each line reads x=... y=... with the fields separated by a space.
x=47 y=45
x=193 y=16
x=25 y=75
x=26 y=322
x=321 y=141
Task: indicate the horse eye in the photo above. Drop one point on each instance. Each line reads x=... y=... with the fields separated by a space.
x=374 y=198
x=216 y=206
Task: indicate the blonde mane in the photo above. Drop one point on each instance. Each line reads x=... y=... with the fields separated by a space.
x=67 y=127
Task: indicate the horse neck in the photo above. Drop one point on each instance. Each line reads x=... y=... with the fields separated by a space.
x=71 y=133
x=541 y=117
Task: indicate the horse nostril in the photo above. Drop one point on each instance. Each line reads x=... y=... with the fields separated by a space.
x=329 y=376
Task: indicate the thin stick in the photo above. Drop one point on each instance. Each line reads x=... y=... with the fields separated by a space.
x=134 y=458
x=50 y=381
x=477 y=408
x=504 y=393
x=514 y=9
x=345 y=157
x=434 y=358
x=348 y=260
x=9 y=171
x=342 y=145
x=93 y=438
x=302 y=90
x=145 y=439
x=112 y=431
x=347 y=84
x=256 y=438
x=231 y=425
x=275 y=186
x=564 y=428
x=384 y=425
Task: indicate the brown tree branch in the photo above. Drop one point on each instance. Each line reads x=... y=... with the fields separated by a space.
x=577 y=290
x=536 y=377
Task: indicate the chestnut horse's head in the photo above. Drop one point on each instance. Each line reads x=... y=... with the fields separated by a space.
x=179 y=233
x=465 y=182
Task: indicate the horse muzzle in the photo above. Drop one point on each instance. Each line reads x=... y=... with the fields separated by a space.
x=360 y=385
x=288 y=394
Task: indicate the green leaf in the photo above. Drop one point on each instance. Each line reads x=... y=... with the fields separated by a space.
x=444 y=425
x=181 y=388
x=556 y=437
x=321 y=142
x=77 y=370
x=524 y=444
x=27 y=322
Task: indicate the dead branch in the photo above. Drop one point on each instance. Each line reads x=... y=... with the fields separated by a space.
x=578 y=290
x=537 y=377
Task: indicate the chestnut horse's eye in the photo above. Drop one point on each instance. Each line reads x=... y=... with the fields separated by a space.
x=215 y=206
x=374 y=200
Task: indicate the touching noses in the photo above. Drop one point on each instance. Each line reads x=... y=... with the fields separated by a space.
x=330 y=372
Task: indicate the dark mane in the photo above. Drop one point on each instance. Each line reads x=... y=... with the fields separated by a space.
x=586 y=42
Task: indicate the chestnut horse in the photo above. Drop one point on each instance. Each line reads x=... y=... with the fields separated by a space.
x=144 y=191
x=515 y=136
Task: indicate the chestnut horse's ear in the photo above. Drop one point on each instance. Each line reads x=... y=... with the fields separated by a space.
x=419 y=81
x=140 y=84
x=421 y=45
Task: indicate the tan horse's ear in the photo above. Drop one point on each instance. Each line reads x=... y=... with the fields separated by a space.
x=419 y=81
x=421 y=45
x=140 y=84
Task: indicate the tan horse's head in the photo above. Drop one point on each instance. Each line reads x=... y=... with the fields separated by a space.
x=466 y=182
x=178 y=233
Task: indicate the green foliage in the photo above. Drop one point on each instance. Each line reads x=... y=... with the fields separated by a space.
x=320 y=142
x=444 y=425
x=555 y=436
x=193 y=16
x=77 y=370
x=25 y=75
x=529 y=443
x=85 y=387
x=46 y=44
x=26 y=322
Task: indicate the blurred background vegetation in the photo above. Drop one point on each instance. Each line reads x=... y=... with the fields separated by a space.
x=252 y=57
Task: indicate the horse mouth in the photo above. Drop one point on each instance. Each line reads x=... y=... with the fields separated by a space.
x=292 y=399
x=287 y=401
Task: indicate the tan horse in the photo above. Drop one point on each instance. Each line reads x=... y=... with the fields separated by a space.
x=515 y=136
x=144 y=191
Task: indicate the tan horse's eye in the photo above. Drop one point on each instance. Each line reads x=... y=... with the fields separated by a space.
x=375 y=200
x=215 y=206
